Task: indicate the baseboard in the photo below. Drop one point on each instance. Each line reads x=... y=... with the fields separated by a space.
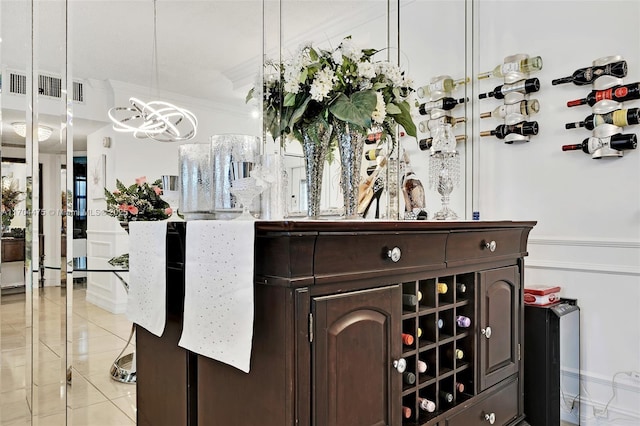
x=106 y=303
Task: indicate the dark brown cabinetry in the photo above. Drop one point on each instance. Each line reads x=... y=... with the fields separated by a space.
x=329 y=319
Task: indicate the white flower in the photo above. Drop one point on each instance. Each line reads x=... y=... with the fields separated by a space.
x=350 y=50
x=380 y=112
x=366 y=70
x=391 y=72
x=337 y=57
x=322 y=84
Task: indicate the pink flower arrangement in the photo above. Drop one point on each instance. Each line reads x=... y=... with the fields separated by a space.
x=140 y=201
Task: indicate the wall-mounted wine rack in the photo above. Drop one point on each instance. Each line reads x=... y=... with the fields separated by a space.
x=608 y=116
x=430 y=310
x=516 y=107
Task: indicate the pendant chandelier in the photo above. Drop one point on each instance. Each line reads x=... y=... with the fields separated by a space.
x=157 y=120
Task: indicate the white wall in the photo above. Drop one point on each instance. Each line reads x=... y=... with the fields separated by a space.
x=587 y=239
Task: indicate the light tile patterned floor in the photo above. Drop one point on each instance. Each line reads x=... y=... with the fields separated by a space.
x=93 y=397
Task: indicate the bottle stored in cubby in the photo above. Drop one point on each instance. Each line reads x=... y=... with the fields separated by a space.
x=427 y=405
x=620 y=118
x=408 y=377
x=524 y=128
x=427 y=125
x=523 y=65
x=419 y=332
x=618 y=142
x=440 y=323
x=442 y=288
x=426 y=143
x=463 y=321
x=459 y=387
x=441 y=85
x=524 y=107
x=457 y=354
x=461 y=287
x=407 y=339
x=422 y=366
x=406 y=412
x=628 y=92
x=588 y=75
x=446 y=396
x=444 y=103
x=525 y=86
x=409 y=300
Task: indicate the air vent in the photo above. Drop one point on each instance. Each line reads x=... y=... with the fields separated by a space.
x=48 y=85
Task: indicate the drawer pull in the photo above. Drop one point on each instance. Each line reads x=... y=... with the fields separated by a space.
x=491 y=245
x=486 y=332
x=491 y=418
x=394 y=254
x=400 y=365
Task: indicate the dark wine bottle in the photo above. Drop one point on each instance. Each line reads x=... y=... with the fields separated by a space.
x=628 y=92
x=446 y=396
x=444 y=103
x=461 y=287
x=620 y=118
x=409 y=300
x=408 y=377
x=426 y=143
x=372 y=154
x=457 y=354
x=525 y=86
x=588 y=75
x=524 y=128
x=618 y=142
x=373 y=138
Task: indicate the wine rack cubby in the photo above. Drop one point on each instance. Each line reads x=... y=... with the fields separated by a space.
x=446 y=347
x=516 y=107
x=606 y=99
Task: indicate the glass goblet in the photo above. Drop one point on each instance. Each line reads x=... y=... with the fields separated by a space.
x=245 y=190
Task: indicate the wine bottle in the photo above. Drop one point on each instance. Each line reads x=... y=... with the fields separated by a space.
x=461 y=287
x=406 y=412
x=523 y=65
x=412 y=189
x=444 y=103
x=371 y=169
x=427 y=405
x=588 y=75
x=410 y=300
x=373 y=137
x=624 y=93
x=419 y=332
x=407 y=339
x=372 y=154
x=446 y=396
x=459 y=387
x=442 y=85
x=422 y=366
x=419 y=295
x=524 y=128
x=426 y=143
x=442 y=288
x=524 y=107
x=618 y=142
x=457 y=354
x=440 y=323
x=463 y=321
x=526 y=86
x=408 y=377
x=620 y=118
x=426 y=125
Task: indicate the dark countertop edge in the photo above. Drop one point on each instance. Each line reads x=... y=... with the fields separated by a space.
x=380 y=225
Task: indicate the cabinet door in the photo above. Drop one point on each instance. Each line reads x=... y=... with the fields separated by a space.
x=356 y=338
x=499 y=324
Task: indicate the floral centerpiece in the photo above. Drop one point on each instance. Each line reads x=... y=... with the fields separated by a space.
x=320 y=96
x=10 y=199
x=137 y=202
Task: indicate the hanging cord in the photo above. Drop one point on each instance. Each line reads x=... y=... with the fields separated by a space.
x=154 y=50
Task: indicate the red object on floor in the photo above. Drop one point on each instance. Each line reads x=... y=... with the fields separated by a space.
x=541 y=295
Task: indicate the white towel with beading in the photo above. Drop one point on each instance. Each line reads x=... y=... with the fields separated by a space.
x=146 y=299
x=218 y=302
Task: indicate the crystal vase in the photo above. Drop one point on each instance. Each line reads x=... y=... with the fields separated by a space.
x=316 y=138
x=350 y=145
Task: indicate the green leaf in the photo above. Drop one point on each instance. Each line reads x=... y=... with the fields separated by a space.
x=289 y=99
x=313 y=54
x=249 y=95
x=356 y=109
x=378 y=86
x=404 y=118
x=393 y=109
x=299 y=112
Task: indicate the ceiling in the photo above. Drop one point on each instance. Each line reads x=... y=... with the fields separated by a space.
x=206 y=49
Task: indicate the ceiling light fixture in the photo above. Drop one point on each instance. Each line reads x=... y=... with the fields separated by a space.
x=157 y=120
x=44 y=132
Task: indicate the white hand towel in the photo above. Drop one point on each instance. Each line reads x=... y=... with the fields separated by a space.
x=147 y=275
x=218 y=302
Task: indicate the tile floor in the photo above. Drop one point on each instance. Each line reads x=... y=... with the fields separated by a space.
x=93 y=397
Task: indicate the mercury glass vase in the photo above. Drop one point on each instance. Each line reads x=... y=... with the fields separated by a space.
x=350 y=145
x=316 y=138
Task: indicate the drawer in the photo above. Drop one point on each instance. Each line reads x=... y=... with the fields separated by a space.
x=501 y=405
x=340 y=254
x=476 y=245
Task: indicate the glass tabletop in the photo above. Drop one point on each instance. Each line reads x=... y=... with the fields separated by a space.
x=94 y=264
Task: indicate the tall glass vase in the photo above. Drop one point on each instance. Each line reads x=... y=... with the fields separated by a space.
x=316 y=138
x=351 y=145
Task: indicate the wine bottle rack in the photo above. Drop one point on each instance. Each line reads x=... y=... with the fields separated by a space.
x=514 y=74
x=603 y=132
x=437 y=343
